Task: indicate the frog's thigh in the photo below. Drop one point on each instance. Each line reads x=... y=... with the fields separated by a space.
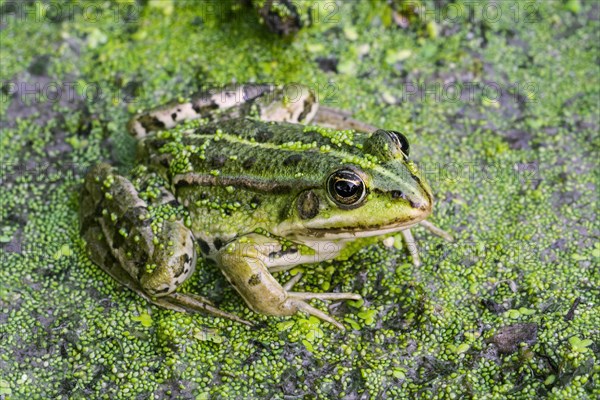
x=100 y=253
x=291 y=103
x=244 y=266
x=152 y=265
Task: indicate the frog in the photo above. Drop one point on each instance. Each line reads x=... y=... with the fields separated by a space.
x=256 y=179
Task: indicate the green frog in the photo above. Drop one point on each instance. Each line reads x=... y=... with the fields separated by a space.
x=258 y=179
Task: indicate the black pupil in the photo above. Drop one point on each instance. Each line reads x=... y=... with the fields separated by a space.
x=346 y=188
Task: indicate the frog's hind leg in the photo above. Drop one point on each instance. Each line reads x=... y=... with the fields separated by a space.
x=100 y=253
x=193 y=302
x=147 y=249
x=290 y=103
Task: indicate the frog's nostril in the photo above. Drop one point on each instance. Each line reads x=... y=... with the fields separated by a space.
x=397 y=194
x=419 y=205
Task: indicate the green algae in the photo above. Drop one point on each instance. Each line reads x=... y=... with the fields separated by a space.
x=514 y=174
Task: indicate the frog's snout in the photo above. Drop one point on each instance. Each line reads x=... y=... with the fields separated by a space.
x=422 y=201
x=419 y=199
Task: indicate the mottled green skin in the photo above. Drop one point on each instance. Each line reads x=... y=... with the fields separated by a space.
x=260 y=169
x=255 y=195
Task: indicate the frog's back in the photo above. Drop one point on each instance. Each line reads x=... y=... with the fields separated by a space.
x=282 y=153
x=244 y=172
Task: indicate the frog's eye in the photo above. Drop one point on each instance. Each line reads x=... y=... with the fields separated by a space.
x=346 y=188
x=401 y=141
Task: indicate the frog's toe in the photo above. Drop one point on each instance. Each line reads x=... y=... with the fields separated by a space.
x=298 y=301
x=325 y=296
x=290 y=284
x=192 y=302
x=310 y=310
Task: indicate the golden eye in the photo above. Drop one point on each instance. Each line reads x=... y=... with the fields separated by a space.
x=346 y=188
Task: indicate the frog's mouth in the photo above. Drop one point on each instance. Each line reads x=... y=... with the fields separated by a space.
x=361 y=231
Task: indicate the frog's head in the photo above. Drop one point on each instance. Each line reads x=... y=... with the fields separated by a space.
x=366 y=197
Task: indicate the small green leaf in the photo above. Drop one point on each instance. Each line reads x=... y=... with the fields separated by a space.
x=398 y=374
x=285 y=325
x=5 y=388
x=526 y=311
x=368 y=316
x=579 y=345
x=144 y=318
x=462 y=348
x=308 y=345
x=353 y=323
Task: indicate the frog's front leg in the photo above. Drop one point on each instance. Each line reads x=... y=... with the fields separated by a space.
x=151 y=255
x=244 y=263
x=410 y=242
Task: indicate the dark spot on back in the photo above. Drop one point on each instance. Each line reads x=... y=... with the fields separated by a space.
x=292 y=160
x=204 y=107
x=117 y=240
x=306 y=109
x=182 y=183
x=249 y=163
x=255 y=201
x=173 y=203
x=183 y=259
x=204 y=247
x=281 y=253
x=150 y=122
x=253 y=91
x=254 y=280
x=218 y=161
x=263 y=136
x=157 y=144
x=134 y=217
x=218 y=243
